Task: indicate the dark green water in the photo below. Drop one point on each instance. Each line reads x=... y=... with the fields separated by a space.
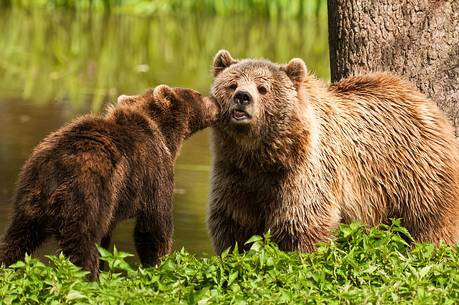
x=56 y=66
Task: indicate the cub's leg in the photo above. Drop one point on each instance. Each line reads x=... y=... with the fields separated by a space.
x=154 y=225
x=23 y=236
x=153 y=235
x=105 y=243
x=81 y=228
x=78 y=243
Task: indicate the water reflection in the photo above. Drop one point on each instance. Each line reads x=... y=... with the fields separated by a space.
x=54 y=67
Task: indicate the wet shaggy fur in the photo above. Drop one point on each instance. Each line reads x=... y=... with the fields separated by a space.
x=313 y=155
x=84 y=178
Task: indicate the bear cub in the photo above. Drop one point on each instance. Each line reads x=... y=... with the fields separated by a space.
x=98 y=170
x=297 y=156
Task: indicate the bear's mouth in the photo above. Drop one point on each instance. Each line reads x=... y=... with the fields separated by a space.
x=240 y=116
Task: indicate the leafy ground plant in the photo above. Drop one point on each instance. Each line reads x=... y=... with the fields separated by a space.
x=362 y=266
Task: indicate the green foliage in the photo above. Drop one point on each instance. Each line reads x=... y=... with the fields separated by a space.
x=272 y=8
x=362 y=266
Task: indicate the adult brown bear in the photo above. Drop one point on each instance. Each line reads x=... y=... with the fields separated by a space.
x=297 y=156
x=87 y=176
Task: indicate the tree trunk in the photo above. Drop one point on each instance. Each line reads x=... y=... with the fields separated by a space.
x=418 y=39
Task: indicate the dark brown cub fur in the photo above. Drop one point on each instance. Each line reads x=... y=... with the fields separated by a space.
x=87 y=176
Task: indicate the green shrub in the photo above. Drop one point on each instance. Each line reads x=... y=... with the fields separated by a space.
x=362 y=266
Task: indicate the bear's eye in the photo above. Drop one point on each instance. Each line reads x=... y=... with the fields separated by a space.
x=232 y=87
x=262 y=89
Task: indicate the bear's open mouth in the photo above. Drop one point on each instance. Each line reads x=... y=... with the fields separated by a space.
x=240 y=115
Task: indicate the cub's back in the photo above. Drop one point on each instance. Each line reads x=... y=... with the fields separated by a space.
x=92 y=153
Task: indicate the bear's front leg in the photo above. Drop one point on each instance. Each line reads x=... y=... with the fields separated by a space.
x=290 y=237
x=153 y=236
x=226 y=232
x=105 y=243
x=302 y=234
x=303 y=241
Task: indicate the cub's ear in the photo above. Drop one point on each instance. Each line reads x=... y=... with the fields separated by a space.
x=296 y=70
x=123 y=99
x=212 y=109
x=164 y=94
x=222 y=61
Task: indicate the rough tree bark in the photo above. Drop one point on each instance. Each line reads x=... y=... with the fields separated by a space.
x=418 y=39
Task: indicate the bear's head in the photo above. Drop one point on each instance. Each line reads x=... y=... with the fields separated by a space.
x=176 y=110
x=257 y=97
x=262 y=110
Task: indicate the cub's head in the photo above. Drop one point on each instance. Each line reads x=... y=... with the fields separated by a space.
x=257 y=97
x=175 y=110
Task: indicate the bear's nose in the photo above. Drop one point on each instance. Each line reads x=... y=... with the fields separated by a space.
x=242 y=98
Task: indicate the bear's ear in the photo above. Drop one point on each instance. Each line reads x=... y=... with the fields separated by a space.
x=164 y=95
x=296 y=70
x=122 y=98
x=222 y=60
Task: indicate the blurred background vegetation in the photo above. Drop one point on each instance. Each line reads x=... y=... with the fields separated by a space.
x=62 y=58
x=272 y=8
x=76 y=50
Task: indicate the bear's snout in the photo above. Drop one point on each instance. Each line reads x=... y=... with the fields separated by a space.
x=241 y=110
x=242 y=97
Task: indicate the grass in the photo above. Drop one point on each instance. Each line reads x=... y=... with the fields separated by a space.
x=271 y=8
x=362 y=266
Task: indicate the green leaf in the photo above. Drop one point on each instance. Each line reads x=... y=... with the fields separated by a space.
x=233 y=276
x=253 y=239
x=18 y=264
x=103 y=252
x=74 y=295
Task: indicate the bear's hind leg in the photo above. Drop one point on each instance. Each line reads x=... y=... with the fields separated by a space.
x=23 y=236
x=79 y=246
x=433 y=232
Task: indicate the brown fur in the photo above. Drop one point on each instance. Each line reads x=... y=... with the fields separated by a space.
x=367 y=148
x=84 y=178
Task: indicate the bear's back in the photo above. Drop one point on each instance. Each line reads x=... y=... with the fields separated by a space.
x=96 y=153
x=395 y=152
